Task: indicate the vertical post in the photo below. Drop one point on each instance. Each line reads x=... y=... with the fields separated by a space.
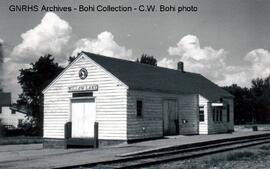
x=67 y=133
x=96 y=135
x=67 y=130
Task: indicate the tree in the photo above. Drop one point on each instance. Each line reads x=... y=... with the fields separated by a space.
x=33 y=80
x=243 y=104
x=71 y=59
x=252 y=104
x=260 y=90
x=147 y=59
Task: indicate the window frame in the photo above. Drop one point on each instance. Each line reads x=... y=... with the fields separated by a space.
x=201 y=107
x=220 y=115
x=228 y=109
x=217 y=114
x=20 y=120
x=214 y=114
x=139 y=115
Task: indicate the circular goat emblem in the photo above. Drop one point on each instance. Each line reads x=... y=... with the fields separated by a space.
x=83 y=73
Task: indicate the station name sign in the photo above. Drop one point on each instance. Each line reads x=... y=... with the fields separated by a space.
x=82 y=88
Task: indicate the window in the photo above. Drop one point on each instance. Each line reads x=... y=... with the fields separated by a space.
x=228 y=112
x=217 y=114
x=139 y=108
x=20 y=121
x=201 y=113
x=13 y=112
x=214 y=113
x=220 y=114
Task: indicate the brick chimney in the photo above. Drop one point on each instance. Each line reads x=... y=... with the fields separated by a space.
x=180 y=66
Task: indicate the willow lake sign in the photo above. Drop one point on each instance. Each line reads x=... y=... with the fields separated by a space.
x=83 y=88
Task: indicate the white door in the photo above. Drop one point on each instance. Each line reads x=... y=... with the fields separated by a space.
x=83 y=118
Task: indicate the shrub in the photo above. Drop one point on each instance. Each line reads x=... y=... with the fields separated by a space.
x=26 y=129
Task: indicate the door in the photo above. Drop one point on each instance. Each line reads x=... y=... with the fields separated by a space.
x=83 y=118
x=170 y=117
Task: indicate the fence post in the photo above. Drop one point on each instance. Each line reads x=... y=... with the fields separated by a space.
x=96 y=135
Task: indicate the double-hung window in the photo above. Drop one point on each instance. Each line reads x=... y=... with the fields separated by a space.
x=201 y=113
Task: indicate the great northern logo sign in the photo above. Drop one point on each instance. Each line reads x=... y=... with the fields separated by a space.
x=83 y=73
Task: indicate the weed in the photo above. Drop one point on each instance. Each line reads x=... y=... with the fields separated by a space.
x=265 y=147
x=242 y=155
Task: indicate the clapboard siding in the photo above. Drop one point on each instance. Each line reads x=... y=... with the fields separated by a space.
x=189 y=111
x=111 y=99
x=151 y=123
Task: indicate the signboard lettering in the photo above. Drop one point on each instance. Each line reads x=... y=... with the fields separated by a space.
x=83 y=88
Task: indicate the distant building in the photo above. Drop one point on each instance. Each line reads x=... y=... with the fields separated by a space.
x=11 y=116
x=133 y=101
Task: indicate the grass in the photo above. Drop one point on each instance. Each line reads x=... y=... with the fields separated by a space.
x=244 y=155
x=217 y=161
x=265 y=147
x=242 y=159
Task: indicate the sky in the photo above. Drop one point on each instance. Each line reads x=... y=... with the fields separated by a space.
x=226 y=41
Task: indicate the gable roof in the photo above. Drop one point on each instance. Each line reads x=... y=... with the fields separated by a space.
x=5 y=99
x=139 y=76
x=66 y=68
x=60 y=74
x=21 y=109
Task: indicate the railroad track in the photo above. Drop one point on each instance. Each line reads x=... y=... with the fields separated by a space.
x=176 y=153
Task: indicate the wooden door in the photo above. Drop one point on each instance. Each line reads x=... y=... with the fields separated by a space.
x=170 y=117
x=83 y=119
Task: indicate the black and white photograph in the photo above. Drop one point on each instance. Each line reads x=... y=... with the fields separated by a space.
x=134 y=84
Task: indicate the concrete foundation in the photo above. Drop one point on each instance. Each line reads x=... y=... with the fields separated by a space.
x=75 y=142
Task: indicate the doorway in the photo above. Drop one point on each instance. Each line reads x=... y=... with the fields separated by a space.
x=170 y=117
x=83 y=118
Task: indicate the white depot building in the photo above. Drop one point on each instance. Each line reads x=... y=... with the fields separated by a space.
x=132 y=101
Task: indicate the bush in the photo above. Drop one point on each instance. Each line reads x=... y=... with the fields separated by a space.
x=13 y=132
x=2 y=130
x=26 y=129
